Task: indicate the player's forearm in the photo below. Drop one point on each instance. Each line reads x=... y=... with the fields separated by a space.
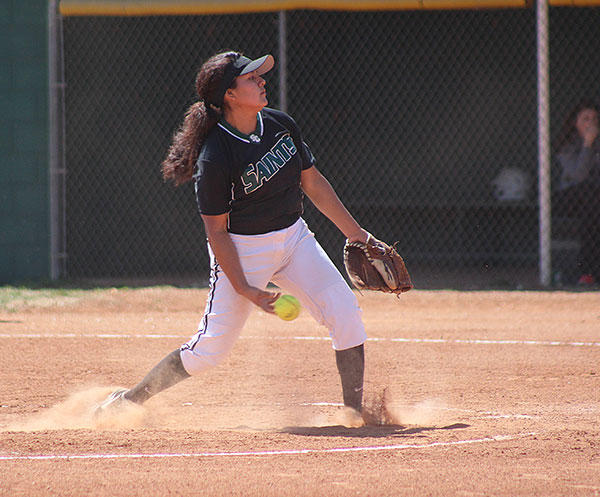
x=229 y=260
x=227 y=257
x=322 y=194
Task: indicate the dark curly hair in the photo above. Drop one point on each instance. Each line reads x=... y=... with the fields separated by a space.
x=568 y=132
x=199 y=119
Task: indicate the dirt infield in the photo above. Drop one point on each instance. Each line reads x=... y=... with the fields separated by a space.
x=489 y=393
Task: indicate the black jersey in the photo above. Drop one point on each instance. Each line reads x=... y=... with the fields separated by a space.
x=255 y=178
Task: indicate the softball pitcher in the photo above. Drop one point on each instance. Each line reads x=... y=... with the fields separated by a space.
x=251 y=169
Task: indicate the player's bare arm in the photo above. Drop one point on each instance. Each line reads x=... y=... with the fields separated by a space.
x=322 y=194
x=226 y=253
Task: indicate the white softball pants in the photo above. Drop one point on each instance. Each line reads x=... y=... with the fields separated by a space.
x=293 y=260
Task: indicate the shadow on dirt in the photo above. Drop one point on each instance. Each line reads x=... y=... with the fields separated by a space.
x=368 y=431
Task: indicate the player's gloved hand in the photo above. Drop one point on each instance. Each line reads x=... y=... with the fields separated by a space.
x=375 y=265
x=263 y=299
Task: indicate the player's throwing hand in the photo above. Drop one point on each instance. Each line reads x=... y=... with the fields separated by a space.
x=262 y=298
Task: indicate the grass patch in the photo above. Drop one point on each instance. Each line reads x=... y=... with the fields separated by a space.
x=14 y=299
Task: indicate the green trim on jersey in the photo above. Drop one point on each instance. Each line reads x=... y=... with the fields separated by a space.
x=253 y=137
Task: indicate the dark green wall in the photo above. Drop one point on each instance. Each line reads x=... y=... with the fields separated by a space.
x=24 y=220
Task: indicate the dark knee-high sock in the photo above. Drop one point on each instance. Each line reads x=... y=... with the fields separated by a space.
x=351 y=365
x=165 y=374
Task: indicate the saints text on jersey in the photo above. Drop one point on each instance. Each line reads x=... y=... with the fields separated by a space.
x=256 y=174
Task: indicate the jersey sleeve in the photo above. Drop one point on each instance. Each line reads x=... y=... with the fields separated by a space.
x=306 y=155
x=308 y=159
x=213 y=188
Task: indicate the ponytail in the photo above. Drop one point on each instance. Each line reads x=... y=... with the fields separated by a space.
x=182 y=156
x=199 y=120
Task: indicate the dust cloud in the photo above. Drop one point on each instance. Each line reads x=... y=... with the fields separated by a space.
x=382 y=409
x=76 y=412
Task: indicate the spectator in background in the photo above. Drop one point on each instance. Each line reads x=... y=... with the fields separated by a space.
x=579 y=188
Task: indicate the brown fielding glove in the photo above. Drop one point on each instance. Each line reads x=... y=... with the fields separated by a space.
x=376 y=266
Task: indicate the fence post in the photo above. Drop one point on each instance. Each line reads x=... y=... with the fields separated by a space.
x=56 y=145
x=283 y=60
x=543 y=144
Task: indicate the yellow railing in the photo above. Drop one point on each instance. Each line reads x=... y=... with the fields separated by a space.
x=194 y=7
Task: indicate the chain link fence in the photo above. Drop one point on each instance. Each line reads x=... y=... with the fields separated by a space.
x=424 y=122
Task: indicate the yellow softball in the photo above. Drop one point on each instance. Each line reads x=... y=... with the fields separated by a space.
x=287 y=307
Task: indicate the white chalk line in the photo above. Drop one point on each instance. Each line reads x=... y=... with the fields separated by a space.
x=376 y=448
x=255 y=337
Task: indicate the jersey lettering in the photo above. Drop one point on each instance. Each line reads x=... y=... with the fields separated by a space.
x=273 y=161
x=269 y=165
